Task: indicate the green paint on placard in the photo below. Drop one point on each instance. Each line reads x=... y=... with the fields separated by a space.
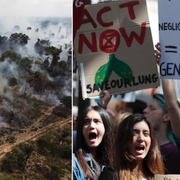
x=116 y=65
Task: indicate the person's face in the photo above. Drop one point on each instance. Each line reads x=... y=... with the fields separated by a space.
x=93 y=129
x=141 y=141
x=154 y=113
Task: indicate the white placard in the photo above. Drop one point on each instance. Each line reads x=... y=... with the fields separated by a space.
x=169 y=37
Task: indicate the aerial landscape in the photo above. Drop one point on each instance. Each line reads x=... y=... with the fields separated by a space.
x=35 y=97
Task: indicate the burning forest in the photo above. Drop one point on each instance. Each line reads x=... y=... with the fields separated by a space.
x=35 y=69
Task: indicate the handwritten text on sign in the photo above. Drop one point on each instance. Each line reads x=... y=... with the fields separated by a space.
x=169 y=31
x=167 y=177
x=113 y=38
x=109 y=34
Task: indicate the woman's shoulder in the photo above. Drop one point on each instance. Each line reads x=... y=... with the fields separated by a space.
x=75 y=162
x=77 y=171
x=108 y=173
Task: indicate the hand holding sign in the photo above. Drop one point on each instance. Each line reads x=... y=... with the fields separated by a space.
x=158 y=53
x=104 y=99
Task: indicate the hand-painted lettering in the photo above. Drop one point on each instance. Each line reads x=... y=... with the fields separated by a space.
x=88 y=20
x=126 y=83
x=88 y=87
x=83 y=38
x=78 y=3
x=106 y=37
x=95 y=88
x=109 y=46
x=170 y=69
x=130 y=6
x=107 y=85
x=99 y=17
x=171 y=26
x=140 y=39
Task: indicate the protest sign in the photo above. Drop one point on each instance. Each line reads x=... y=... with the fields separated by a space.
x=167 y=177
x=114 y=49
x=78 y=7
x=169 y=32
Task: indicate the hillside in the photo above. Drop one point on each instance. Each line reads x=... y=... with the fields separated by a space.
x=35 y=98
x=41 y=151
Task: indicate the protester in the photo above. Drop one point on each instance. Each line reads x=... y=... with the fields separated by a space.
x=94 y=143
x=158 y=115
x=162 y=121
x=171 y=102
x=164 y=114
x=137 y=156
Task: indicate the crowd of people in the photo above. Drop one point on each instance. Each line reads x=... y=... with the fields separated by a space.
x=139 y=144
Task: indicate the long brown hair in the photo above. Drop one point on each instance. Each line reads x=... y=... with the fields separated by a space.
x=125 y=162
x=118 y=120
x=104 y=153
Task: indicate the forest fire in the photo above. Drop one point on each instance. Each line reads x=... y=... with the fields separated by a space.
x=34 y=70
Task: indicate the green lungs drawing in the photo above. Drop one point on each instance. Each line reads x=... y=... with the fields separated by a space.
x=119 y=67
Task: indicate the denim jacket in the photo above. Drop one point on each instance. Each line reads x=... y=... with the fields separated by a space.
x=77 y=171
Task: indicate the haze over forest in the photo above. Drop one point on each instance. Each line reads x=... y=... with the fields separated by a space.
x=35 y=62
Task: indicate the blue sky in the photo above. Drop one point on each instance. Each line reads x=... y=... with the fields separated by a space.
x=41 y=8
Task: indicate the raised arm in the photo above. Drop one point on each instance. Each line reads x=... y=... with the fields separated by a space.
x=172 y=106
x=104 y=99
x=171 y=100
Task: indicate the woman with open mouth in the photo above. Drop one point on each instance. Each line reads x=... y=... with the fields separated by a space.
x=94 y=143
x=137 y=155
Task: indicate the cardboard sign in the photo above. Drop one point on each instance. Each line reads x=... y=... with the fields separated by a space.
x=167 y=177
x=169 y=32
x=114 y=49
